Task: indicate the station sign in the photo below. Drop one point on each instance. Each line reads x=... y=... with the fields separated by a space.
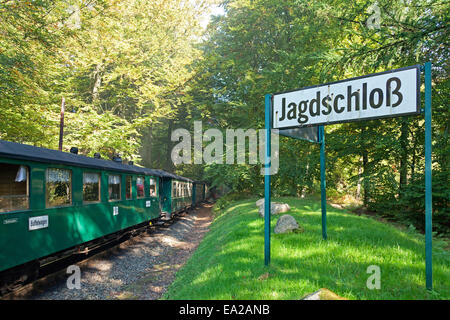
x=387 y=94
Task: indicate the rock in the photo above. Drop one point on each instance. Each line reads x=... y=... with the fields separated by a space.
x=323 y=294
x=260 y=202
x=286 y=223
x=275 y=208
x=264 y=276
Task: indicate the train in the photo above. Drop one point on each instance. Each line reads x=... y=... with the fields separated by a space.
x=55 y=204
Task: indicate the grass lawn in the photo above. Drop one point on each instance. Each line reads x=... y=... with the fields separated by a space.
x=229 y=263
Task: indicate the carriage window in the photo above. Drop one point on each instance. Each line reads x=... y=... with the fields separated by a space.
x=58 y=187
x=114 y=187
x=128 y=186
x=174 y=189
x=140 y=185
x=152 y=188
x=91 y=187
x=13 y=187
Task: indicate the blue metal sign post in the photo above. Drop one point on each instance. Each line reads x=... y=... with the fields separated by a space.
x=320 y=138
x=323 y=192
x=428 y=194
x=267 y=162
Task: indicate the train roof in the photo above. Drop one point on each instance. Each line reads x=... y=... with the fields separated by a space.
x=26 y=152
x=172 y=175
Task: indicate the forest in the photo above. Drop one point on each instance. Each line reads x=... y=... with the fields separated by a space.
x=130 y=72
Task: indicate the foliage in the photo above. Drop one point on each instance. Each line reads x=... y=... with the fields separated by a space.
x=411 y=207
x=120 y=65
x=132 y=71
x=226 y=201
x=267 y=46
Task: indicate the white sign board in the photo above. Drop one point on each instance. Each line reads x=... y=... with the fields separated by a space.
x=35 y=223
x=380 y=95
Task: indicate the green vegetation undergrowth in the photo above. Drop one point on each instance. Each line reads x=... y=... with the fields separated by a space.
x=229 y=263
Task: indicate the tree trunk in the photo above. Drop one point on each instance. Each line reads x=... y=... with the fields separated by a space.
x=358 y=187
x=303 y=190
x=365 y=165
x=413 y=160
x=403 y=155
x=97 y=81
x=365 y=157
x=147 y=148
x=168 y=165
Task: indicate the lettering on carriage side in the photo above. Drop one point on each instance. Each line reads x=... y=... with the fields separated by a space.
x=35 y=223
x=115 y=211
x=10 y=221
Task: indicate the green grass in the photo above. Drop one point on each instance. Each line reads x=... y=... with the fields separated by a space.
x=229 y=263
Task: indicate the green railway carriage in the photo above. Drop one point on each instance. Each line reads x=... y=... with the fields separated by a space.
x=176 y=193
x=198 y=192
x=53 y=202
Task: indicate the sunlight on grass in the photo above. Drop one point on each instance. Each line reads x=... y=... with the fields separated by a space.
x=229 y=263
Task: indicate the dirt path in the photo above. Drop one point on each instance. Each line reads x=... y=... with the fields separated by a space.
x=141 y=268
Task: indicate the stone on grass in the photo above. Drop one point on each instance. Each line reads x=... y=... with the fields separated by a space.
x=287 y=223
x=323 y=294
x=275 y=208
x=260 y=202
